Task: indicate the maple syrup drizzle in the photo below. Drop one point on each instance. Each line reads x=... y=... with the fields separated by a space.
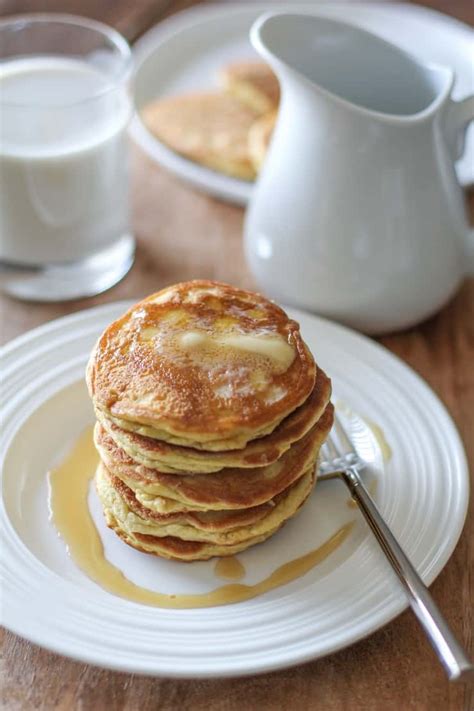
x=69 y=487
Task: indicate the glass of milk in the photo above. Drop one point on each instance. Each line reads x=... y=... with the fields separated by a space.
x=64 y=183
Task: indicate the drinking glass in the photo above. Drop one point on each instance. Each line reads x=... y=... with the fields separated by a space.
x=64 y=178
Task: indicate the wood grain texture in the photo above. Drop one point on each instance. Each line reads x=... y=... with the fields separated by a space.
x=133 y=17
x=183 y=234
x=129 y=18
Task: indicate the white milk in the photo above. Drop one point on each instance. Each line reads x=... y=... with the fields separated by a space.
x=63 y=160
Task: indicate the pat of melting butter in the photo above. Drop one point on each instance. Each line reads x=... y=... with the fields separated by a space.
x=192 y=340
x=269 y=345
x=163 y=298
x=171 y=319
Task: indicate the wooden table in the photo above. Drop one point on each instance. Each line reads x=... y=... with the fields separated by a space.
x=183 y=234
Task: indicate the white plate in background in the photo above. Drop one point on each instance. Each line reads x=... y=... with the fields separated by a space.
x=422 y=492
x=185 y=52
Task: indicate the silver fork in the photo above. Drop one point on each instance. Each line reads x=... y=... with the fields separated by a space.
x=341 y=461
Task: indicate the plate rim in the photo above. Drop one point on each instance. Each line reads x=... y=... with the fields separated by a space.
x=61 y=645
x=213 y=183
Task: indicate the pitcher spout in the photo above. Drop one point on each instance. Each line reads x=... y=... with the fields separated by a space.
x=350 y=66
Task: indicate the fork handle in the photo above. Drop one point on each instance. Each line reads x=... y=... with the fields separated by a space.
x=451 y=654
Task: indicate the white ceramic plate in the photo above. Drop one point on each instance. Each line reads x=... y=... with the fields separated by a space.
x=422 y=492
x=185 y=52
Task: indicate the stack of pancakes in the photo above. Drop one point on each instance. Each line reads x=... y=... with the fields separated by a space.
x=228 y=130
x=210 y=415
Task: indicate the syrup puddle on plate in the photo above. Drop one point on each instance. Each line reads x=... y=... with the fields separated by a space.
x=229 y=568
x=372 y=489
x=69 y=487
x=375 y=429
x=379 y=437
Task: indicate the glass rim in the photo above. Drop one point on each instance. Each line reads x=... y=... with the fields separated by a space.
x=111 y=34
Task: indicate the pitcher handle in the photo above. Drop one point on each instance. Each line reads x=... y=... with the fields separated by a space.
x=460 y=114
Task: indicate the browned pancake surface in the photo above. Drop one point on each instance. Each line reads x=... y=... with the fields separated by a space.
x=137 y=374
x=228 y=489
x=258 y=452
x=203 y=520
x=174 y=548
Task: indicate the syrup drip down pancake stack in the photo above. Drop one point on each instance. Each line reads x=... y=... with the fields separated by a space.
x=210 y=415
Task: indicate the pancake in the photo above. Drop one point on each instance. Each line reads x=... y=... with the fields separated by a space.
x=259 y=138
x=254 y=84
x=210 y=416
x=208 y=128
x=210 y=521
x=229 y=489
x=169 y=458
x=174 y=548
x=201 y=364
x=225 y=528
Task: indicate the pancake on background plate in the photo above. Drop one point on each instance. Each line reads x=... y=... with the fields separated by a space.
x=214 y=377
x=227 y=131
x=253 y=83
x=259 y=138
x=209 y=128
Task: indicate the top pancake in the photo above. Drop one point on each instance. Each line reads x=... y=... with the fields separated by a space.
x=201 y=364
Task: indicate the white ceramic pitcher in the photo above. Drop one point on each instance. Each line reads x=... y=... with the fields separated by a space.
x=357 y=213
